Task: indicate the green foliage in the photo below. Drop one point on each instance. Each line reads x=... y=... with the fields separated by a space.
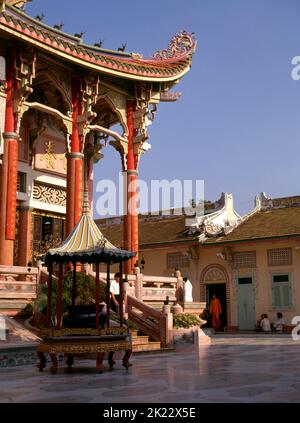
x=85 y=292
x=26 y=312
x=185 y=320
x=116 y=318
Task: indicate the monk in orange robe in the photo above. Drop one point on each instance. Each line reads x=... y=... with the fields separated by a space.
x=215 y=310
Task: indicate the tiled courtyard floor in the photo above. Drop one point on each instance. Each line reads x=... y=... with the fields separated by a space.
x=231 y=369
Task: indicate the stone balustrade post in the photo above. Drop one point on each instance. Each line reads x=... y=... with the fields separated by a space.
x=166 y=309
x=138 y=284
x=168 y=329
x=125 y=291
x=180 y=287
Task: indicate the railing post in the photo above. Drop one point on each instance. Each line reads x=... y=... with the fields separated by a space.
x=166 y=327
x=138 y=284
x=179 y=290
x=169 y=329
x=129 y=306
x=125 y=291
x=166 y=330
x=39 y=266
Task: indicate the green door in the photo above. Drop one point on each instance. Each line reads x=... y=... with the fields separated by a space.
x=246 y=306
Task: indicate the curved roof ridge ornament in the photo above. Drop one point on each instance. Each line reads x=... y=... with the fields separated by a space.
x=183 y=44
x=20 y=4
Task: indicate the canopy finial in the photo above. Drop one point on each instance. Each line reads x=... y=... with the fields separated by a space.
x=86 y=204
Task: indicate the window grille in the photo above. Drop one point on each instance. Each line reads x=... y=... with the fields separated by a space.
x=280 y=257
x=177 y=259
x=244 y=259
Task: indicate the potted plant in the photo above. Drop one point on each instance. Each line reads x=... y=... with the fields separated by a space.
x=187 y=329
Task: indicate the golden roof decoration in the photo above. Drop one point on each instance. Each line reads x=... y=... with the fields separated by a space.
x=86 y=236
x=181 y=45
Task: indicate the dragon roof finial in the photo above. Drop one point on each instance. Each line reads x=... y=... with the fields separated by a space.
x=183 y=44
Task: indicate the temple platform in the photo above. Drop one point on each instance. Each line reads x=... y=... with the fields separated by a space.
x=231 y=369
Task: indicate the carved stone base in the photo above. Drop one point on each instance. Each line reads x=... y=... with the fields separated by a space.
x=84 y=346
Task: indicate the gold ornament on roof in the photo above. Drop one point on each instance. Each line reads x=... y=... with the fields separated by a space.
x=49 y=155
x=182 y=44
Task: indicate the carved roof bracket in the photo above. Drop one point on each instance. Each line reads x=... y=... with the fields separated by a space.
x=83 y=122
x=25 y=61
x=117 y=103
x=89 y=90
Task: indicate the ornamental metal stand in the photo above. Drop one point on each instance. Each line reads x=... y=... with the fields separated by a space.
x=85 y=244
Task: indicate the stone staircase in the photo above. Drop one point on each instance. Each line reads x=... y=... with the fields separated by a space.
x=18 y=287
x=141 y=343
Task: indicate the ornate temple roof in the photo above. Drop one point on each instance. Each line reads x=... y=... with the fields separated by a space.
x=87 y=244
x=272 y=218
x=266 y=224
x=167 y=230
x=177 y=227
x=166 y=65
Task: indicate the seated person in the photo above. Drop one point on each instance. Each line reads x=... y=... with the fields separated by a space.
x=279 y=323
x=258 y=324
x=265 y=324
x=115 y=292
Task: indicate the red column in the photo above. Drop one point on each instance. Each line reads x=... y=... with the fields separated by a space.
x=131 y=210
x=70 y=194
x=49 y=299
x=121 y=310
x=97 y=295
x=9 y=172
x=25 y=235
x=107 y=294
x=59 y=297
x=127 y=227
x=134 y=217
x=75 y=165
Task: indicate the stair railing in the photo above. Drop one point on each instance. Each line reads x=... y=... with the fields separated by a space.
x=156 y=324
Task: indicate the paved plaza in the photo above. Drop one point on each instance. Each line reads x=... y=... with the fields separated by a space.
x=231 y=369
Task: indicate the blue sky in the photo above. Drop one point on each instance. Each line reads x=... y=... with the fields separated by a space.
x=237 y=125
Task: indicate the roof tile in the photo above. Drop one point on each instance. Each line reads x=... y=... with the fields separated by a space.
x=272 y=223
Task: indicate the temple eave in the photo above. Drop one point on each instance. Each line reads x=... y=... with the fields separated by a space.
x=130 y=74
x=164 y=66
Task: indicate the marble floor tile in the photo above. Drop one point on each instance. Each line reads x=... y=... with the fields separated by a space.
x=231 y=369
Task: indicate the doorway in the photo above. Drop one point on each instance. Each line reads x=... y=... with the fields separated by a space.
x=48 y=232
x=246 y=305
x=219 y=290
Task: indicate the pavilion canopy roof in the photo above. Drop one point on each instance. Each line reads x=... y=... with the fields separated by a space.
x=87 y=244
x=167 y=65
